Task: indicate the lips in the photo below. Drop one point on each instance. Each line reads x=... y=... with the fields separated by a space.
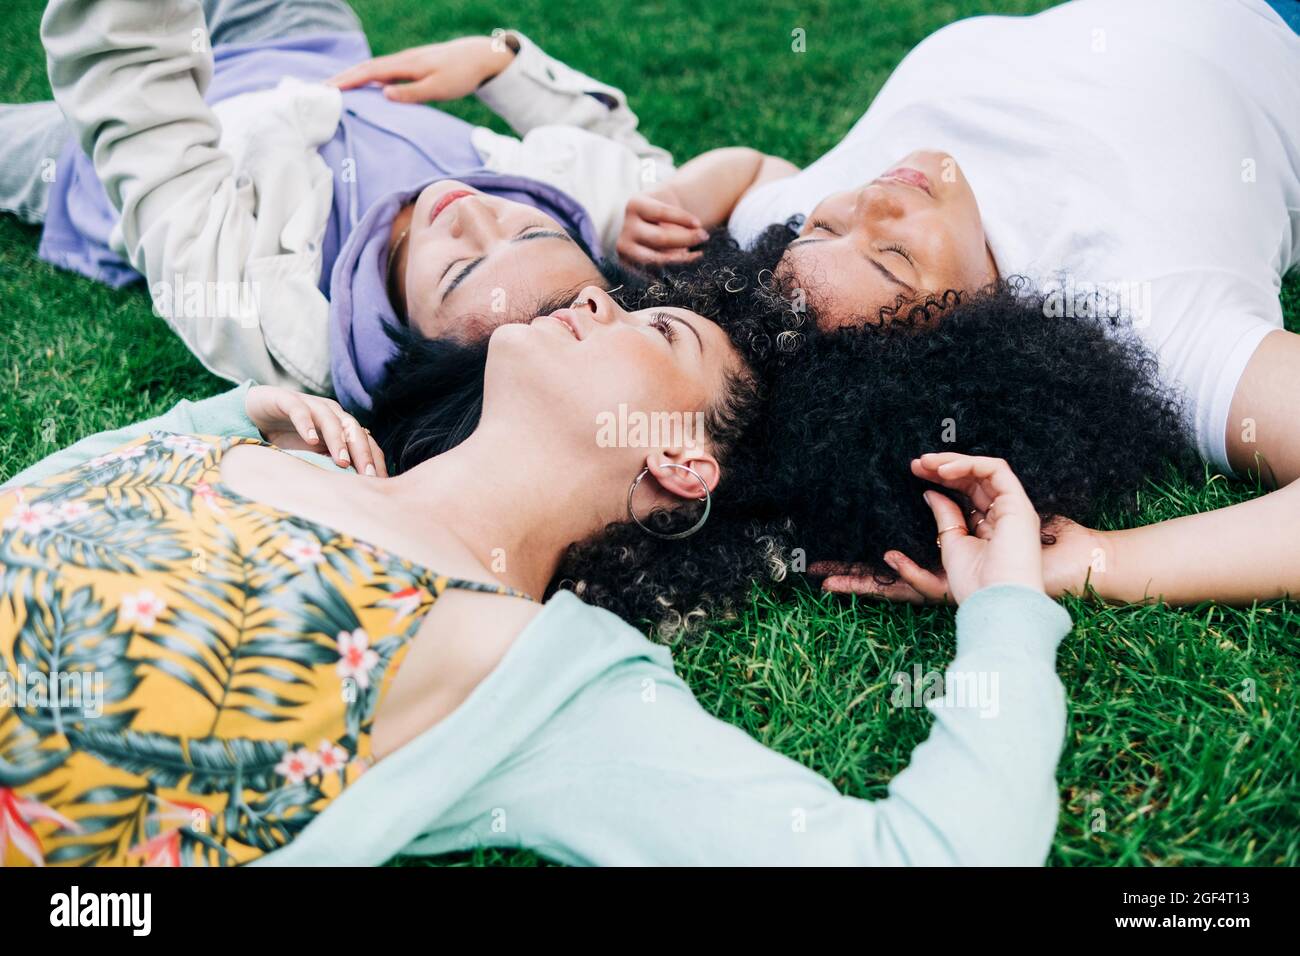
x=567 y=321
x=909 y=177
x=446 y=199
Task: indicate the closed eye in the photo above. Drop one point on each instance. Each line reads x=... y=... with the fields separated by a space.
x=664 y=323
x=902 y=252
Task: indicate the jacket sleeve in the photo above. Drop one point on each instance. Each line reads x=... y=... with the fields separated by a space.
x=222 y=414
x=578 y=135
x=637 y=772
x=130 y=79
x=538 y=90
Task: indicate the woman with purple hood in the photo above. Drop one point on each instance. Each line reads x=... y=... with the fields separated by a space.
x=284 y=225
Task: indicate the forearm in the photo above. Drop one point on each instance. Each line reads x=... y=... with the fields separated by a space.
x=999 y=729
x=693 y=790
x=1235 y=555
x=710 y=185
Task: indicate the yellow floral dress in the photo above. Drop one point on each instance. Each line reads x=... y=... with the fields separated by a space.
x=187 y=677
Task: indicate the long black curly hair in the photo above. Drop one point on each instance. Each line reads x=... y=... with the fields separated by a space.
x=1072 y=403
x=815 y=441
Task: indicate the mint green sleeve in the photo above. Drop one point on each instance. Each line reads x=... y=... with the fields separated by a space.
x=634 y=771
x=220 y=415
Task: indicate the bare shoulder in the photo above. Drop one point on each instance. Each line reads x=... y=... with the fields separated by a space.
x=462 y=639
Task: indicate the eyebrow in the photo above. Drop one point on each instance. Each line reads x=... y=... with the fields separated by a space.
x=889 y=275
x=675 y=318
x=879 y=268
x=519 y=237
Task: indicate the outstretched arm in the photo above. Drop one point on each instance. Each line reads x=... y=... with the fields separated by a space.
x=635 y=772
x=513 y=77
x=1235 y=555
x=578 y=134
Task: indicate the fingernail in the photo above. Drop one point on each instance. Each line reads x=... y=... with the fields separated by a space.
x=343 y=455
x=311 y=435
x=370 y=470
x=926 y=496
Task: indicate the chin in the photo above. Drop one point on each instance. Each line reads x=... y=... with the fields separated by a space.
x=511 y=335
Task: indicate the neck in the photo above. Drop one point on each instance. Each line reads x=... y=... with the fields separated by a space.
x=510 y=502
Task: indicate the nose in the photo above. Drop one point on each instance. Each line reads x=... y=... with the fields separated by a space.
x=474 y=220
x=877 y=203
x=596 y=301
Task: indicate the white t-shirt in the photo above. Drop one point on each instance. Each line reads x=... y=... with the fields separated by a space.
x=1149 y=150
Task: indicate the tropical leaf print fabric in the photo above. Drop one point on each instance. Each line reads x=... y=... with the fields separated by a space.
x=188 y=677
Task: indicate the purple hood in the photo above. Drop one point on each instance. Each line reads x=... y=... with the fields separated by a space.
x=360 y=313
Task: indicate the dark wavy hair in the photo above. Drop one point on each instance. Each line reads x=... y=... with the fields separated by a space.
x=815 y=440
x=1074 y=404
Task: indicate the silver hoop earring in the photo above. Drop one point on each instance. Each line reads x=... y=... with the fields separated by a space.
x=707 y=499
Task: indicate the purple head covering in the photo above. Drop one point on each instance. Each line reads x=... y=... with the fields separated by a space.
x=361 y=314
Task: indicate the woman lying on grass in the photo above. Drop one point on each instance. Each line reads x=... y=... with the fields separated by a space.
x=282 y=225
x=272 y=640
x=1062 y=153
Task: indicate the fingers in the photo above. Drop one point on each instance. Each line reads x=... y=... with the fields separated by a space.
x=983 y=480
x=636 y=252
x=979 y=523
x=348 y=443
x=867 y=586
x=950 y=466
x=301 y=418
x=949 y=522
x=659 y=235
x=421 y=91
x=331 y=429
x=359 y=445
x=933 y=587
x=382 y=69
x=657 y=211
x=915 y=584
x=377 y=455
x=928 y=470
x=827 y=568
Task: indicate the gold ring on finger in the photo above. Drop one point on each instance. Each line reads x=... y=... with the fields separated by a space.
x=942 y=531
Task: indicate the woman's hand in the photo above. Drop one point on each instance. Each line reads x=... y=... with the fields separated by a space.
x=657 y=231
x=1077 y=560
x=996 y=542
x=433 y=73
x=299 y=422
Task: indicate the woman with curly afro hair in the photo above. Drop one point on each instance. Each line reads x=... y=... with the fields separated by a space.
x=963 y=174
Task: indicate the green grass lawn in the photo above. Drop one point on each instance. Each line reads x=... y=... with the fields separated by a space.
x=1183 y=732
